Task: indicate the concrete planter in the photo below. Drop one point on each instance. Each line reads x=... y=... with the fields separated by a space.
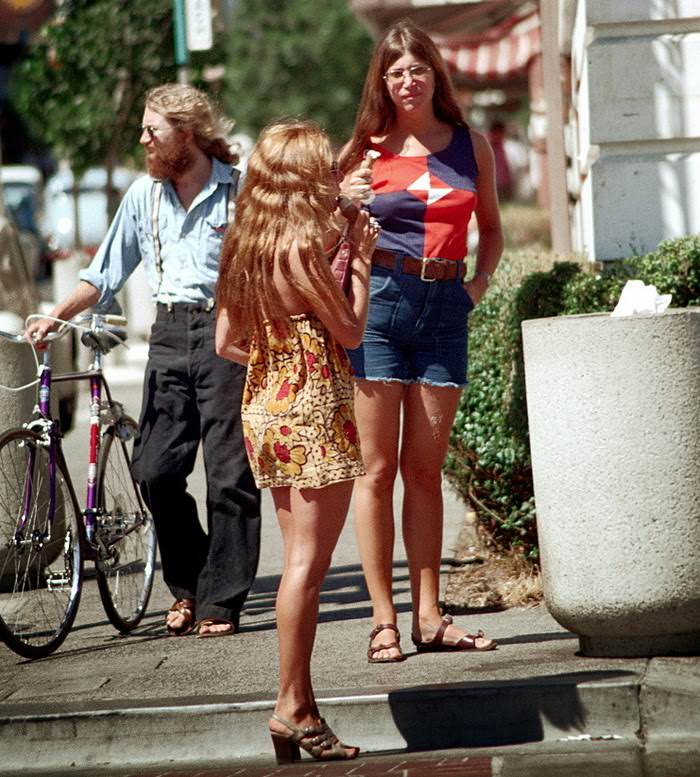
x=614 y=413
x=17 y=368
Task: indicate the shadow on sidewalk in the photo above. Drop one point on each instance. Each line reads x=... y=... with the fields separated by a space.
x=343 y=586
x=492 y=713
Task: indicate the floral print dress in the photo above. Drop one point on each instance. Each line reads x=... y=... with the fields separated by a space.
x=298 y=416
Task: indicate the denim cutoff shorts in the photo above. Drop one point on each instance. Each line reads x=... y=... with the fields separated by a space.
x=416 y=330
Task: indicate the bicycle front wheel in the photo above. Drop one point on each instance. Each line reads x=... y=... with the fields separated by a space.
x=125 y=538
x=40 y=551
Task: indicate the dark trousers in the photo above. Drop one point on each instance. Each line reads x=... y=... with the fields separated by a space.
x=191 y=394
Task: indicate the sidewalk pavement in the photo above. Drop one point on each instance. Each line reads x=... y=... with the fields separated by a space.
x=105 y=702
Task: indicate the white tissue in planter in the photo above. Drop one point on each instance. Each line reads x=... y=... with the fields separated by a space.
x=640 y=300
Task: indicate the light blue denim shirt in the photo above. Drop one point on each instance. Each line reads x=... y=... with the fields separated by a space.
x=190 y=242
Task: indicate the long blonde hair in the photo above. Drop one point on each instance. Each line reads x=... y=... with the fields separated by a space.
x=188 y=108
x=376 y=113
x=286 y=198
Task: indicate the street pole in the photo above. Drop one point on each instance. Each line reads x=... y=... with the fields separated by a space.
x=182 y=57
x=556 y=153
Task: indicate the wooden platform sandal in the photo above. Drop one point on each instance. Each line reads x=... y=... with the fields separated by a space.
x=319 y=741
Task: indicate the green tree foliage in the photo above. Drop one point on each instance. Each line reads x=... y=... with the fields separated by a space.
x=489 y=454
x=80 y=91
x=296 y=58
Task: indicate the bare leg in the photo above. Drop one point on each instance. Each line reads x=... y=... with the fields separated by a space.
x=311 y=521
x=378 y=412
x=429 y=412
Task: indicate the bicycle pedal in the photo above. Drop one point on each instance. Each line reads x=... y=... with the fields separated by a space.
x=58 y=582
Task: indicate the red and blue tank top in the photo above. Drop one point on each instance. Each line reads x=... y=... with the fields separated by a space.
x=424 y=203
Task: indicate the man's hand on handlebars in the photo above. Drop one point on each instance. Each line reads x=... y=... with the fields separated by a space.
x=37 y=329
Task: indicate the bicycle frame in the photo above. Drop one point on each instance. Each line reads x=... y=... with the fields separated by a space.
x=48 y=426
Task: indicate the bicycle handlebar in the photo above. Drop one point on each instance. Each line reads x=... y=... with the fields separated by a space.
x=78 y=322
x=22 y=338
x=107 y=318
x=14 y=338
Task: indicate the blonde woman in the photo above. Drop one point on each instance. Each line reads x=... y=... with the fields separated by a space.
x=282 y=313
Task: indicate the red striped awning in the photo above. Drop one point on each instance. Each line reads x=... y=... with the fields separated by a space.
x=502 y=53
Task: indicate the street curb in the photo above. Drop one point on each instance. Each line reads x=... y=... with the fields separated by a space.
x=571 y=708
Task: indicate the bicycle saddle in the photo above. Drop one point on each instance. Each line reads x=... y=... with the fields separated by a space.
x=104 y=339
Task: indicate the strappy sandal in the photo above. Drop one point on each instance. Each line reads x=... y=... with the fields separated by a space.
x=467 y=642
x=185 y=608
x=372 y=650
x=319 y=741
x=215 y=622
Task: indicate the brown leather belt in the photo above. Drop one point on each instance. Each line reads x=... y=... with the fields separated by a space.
x=425 y=267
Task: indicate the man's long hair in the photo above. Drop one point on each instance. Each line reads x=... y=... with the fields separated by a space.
x=286 y=198
x=376 y=113
x=188 y=108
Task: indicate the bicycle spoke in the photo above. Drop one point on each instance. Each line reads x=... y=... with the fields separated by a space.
x=125 y=537
x=40 y=560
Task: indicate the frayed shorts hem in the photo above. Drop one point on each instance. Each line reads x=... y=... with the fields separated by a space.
x=408 y=382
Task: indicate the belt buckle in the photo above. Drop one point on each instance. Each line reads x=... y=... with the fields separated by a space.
x=425 y=262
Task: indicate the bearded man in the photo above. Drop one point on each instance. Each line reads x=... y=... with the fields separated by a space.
x=174 y=220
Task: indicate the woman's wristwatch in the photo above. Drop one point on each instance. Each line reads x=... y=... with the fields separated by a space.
x=488 y=275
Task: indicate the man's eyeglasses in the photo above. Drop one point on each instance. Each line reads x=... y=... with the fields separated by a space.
x=152 y=131
x=397 y=75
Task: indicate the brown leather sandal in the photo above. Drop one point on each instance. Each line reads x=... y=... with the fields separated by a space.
x=215 y=622
x=319 y=741
x=436 y=644
x=372 y=650
x=184 y=607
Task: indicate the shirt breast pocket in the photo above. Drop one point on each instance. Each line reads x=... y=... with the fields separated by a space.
x=215 y=240
x=216 y=229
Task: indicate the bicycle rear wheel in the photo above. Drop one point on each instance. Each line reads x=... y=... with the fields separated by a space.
x=40 y=559
x=125 y=537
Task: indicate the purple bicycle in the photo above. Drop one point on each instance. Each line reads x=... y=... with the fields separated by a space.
x=45 y=536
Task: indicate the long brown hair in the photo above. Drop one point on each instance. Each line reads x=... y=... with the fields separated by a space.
x=187 y=108
x=286 y=198
x=376 y=113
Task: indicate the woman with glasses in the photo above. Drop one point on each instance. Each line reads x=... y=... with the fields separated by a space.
x=431 y=173
x=276 y=291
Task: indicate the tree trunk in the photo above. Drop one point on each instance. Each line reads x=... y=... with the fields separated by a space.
x=77 y=239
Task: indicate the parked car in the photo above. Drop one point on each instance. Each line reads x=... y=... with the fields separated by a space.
x=59 y=222
x=22 y=187
x=19 y=295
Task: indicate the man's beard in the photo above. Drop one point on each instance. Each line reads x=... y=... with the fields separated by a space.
x=165 y=163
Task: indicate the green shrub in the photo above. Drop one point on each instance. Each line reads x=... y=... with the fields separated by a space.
x=489 y=456
x=674 y=268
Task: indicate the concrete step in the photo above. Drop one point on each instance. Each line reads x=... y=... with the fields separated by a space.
x=567 y=711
